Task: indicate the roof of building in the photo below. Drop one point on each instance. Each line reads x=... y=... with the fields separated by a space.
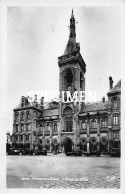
x=50 y=112
x=95 y=106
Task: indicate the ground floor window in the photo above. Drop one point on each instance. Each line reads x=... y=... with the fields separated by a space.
x=116 y=144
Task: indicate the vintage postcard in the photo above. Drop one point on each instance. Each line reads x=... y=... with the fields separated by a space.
x=62 y=66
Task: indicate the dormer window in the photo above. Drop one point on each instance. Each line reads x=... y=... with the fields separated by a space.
x=69 y=48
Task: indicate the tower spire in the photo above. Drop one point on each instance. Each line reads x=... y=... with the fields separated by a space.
x=72 y=26
x=72 y=15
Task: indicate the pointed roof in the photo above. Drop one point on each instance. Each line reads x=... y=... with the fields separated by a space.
x=116 y=88
x=72 y=15
x=71 y=44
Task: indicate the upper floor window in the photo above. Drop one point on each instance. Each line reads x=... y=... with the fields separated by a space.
x=22 y=115
x=21 y=137
x=83 y=124
x=35 y=114
x=22 y=127
x=17 y=127
x=16 y=137
x=69 y=124
x=93 y=124
x=55 y=127
x=115 y=103
x=28 y=115
x=115 y=119
x=27 y=127
x=16 y=115
x=104 y=123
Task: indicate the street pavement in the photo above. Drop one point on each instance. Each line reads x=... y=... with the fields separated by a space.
x=60 y=171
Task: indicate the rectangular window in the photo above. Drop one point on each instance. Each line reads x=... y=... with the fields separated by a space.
x=93 y=124
x=27 y=137
x=16 y=128
x=21 y=137
x=16 y=138
x=27 y=127
x=104 y=124
x=22 y=127
x=115 y=119
x=116 y=135
x=69 y=124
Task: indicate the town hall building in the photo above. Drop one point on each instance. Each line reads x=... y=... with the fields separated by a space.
x=65 y=126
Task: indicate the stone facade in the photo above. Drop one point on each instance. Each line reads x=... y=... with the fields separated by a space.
x=64 y=126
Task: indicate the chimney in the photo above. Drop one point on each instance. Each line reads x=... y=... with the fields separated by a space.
x=110 y=83
x=103 y=99
x=42 y=102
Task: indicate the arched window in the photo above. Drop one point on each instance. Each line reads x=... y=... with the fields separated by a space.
x=41 y=125
x=35 y=114
x=55 y=127
x=93 y=124
x=67 y=110
x=16 y=115
x=83 y=124
x=115 y=102
x=104 y=123
x=48 y=127
x=55 y=141
x=115 y=119
x=67 y=78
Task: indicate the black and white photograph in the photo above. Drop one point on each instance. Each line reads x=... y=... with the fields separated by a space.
x=63 y=113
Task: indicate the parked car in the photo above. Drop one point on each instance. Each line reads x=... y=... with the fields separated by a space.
x=115 y=152
x=95 y=152
x=27 y=151
x=14 y=151
x=92 y=152
x=76 y=152
x=86 y=153
x=41 y=152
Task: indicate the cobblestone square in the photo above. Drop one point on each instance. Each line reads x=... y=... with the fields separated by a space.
x=60 y=171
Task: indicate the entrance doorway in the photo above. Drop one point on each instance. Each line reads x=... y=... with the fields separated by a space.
x=68 y=145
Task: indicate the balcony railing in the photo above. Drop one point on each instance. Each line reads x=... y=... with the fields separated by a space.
x=103 y=129
x=40 y=133
x=47 y=132
x=92 y=130
x=83 y=131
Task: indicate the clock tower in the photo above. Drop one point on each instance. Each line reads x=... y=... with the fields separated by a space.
x=71 y=78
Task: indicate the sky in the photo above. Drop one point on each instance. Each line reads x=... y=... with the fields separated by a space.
x=37 y=36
